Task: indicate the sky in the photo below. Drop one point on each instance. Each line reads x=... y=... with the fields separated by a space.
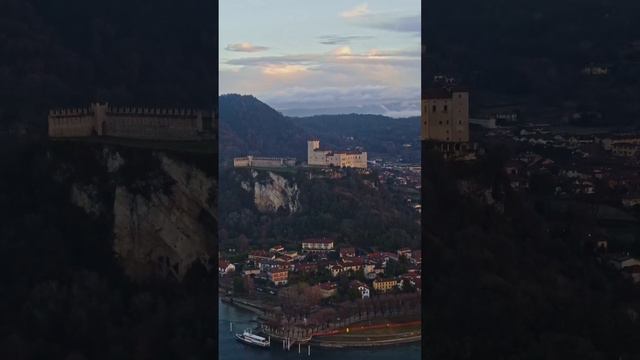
x=305 y=57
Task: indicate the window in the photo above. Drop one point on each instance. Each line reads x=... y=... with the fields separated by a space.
x=433 y=108
x=439 y=122
x=445 y=108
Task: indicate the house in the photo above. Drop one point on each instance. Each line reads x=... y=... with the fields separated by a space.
x=416 y=257
x=621 y=261
x=258 y=255
x=335 y=269
x=268 y=264
x=317 y=244
x=225 y=267
x=361 y=287
x=352 y=264
x=378 y=269
x=305 y=267
x=278 y=276
x=631 y=200
x=406 y=252
x=384 y=284
x=328 y=289
x=347 y=252
x=251 y=271
x=632 y=272
x=277 y=249
x=513 y=167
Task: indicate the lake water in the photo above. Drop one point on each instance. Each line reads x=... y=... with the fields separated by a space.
x=230 y=349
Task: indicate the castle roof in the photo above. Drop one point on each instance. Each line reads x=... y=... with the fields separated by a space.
x=318 y=241
x=441 y=92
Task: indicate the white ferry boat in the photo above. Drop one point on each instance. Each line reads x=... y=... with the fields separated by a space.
x=248 y=338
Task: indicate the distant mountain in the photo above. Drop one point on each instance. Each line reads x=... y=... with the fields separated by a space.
x=249 y=126
x=379 y=135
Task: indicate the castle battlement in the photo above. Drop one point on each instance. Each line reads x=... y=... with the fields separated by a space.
x=101 y=119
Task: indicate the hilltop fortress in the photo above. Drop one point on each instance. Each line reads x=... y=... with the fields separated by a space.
x=316 y=157
x=322 y=157
x=101 y=119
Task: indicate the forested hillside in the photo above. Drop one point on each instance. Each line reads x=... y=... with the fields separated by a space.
x=503 y=280
x=357 y=209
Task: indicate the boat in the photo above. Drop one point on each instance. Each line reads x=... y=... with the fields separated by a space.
x=252 y=339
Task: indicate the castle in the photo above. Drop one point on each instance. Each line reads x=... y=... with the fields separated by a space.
x=101 y=119
x=445 y=115
x=321 y=157
x=263 y=162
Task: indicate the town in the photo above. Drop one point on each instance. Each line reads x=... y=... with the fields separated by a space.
x=593 y=171
x=319 y=290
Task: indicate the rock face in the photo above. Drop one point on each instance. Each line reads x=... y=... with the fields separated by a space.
x=164 y=216
x=275 y=193
x=86 y=198
x=165 y=233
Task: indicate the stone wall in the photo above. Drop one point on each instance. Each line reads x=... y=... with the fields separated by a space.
x=100 y=119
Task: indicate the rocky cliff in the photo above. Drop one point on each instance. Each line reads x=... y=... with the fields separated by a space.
x=161 y=207
x=273 y=193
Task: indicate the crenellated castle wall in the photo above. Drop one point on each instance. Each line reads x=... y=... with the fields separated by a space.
x=100 y=119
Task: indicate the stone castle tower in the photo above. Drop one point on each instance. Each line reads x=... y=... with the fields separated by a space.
x=445 y=115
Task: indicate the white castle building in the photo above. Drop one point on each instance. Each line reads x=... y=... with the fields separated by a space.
x=322 y=157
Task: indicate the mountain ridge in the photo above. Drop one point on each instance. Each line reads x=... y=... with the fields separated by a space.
x=250 y=126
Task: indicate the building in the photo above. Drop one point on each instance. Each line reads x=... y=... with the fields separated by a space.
x=328 y=289
x=101 y=119
x=621 y=261
x=347 y=252
x=251 y=161
x=406 y=252
x=632 y=272
x=225 y=267
x=277 y=249
x=323 y=157
x=278 y=276
x=445 y=115
x=305 y=267
x=257 y=255
x=384 y=285
x=625 y=149
x=608 y=142
x=362 y=288
x=317 y=244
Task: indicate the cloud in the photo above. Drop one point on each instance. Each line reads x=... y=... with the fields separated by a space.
x=283 y=70
x=342 y=55
x=341 y=39
x=390 y=21
x=245 y=47
x=358 y=11
x=376 y=99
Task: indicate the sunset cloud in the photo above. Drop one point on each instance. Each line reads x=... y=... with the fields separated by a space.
x=338 y=39
x=284 y=70
x=245 y=47
x=323 y=59
x=356 y=12
x=390 y=21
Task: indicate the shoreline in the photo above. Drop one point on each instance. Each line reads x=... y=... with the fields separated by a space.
x=327 y=341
